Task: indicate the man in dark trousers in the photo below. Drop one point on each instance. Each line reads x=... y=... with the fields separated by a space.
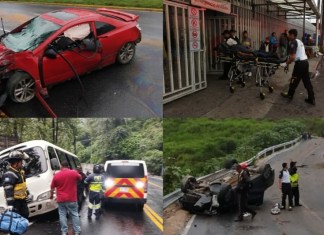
x=284 y=185
x=242 y=191
x=294 y=178
x=81 y=188
x=65 y=182
x=14 y=184
x=298 y=55
x=95 y=182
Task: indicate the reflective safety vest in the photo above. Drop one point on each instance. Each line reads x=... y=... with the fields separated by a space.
x=15 y=184
x=95 y=182
x=294 y=180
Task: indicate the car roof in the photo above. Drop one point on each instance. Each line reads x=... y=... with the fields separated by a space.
x=69 y=15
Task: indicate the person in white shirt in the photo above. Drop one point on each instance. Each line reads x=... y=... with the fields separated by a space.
x=284 y=185
x=301 y=69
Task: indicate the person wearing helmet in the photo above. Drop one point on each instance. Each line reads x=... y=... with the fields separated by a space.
x=95 y=182
x=242 y=191
x=14 y=184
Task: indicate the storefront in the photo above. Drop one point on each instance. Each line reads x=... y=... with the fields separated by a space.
x=193 y=28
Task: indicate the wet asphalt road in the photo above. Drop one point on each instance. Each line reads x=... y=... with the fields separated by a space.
x=117 y=219
x=133 y=90
x=305 y=220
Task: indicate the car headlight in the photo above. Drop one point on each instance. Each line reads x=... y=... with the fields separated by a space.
x=139 y=184
x=138 y=26
x=44 y=196
x=109 y=183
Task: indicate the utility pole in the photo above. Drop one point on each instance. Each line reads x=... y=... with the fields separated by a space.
x=322 y=26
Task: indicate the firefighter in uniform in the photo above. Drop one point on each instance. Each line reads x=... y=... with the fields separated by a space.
x=14 y=184
x=242 y=191
x=301 y=69
x=95 y=182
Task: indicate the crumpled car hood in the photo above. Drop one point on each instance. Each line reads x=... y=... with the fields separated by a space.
x=5 y=55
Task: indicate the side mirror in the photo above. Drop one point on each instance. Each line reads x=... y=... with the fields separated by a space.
x=50 y=53
x=55 y=164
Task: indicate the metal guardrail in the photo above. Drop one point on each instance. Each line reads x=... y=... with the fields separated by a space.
x=175 y=195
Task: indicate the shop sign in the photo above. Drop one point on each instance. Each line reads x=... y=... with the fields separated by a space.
x=216 y=5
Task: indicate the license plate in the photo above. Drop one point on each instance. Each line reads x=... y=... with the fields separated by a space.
x=123 y=190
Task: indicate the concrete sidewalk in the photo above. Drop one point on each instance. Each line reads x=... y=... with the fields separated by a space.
x=216 y=101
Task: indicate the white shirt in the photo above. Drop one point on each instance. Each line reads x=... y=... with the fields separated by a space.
x=231 y=42
x=285 y=177
x=300 y=54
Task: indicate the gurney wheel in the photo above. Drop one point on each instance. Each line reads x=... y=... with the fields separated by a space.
x=232 y=89
x=270 y=89
x=262 y=95
x=242 y=84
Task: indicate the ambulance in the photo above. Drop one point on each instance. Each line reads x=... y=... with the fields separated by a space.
x=126 y=182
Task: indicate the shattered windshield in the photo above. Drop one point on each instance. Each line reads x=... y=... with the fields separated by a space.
x=35 y=165
x=31 y=35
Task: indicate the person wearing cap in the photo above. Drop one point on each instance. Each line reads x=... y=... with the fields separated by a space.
x=14 y=184
x=294 y=177
x=284 y=185
x=301 y=69
x=233 y=36
x=242 y=188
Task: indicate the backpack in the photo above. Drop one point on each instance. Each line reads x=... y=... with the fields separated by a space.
x=13 y=222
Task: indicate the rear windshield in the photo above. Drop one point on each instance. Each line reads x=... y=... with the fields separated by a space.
x=35 y=165
x=31 y=35
x=125 y=171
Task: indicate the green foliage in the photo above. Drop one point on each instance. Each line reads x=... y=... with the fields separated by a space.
x=95 y=140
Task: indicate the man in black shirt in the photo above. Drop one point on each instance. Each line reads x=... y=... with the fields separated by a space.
x=301 y=69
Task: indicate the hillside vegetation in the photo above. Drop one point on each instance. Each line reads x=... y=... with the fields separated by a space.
x=95 y=140
x=202 y=146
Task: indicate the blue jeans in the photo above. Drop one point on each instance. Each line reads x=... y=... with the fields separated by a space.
x=72 y=208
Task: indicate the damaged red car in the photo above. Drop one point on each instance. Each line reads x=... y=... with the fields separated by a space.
x=61 y=45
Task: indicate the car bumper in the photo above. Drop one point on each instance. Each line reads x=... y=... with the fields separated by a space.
x=126 y=200
x=37 y=208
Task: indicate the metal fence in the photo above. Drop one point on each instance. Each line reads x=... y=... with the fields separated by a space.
x=174 y=196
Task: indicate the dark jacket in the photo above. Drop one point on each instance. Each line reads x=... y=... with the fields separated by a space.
x=244 y=183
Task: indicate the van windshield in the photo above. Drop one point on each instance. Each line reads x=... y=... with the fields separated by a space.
x=125 y=171
x=35 y=165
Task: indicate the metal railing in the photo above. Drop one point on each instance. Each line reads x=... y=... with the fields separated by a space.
x=175 y=195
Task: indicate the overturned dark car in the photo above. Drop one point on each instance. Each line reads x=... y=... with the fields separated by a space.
x=217 y=193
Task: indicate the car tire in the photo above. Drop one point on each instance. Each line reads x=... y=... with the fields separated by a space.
x=127 y=53
x=140 y=206
x=21 y=87
x=186 y=183
x=225 y=194
x=265 y=171
x=230 y=163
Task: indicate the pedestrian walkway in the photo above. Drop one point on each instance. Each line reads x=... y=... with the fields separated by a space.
x=216 y=101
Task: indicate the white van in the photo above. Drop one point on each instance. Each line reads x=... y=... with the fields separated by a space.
x=44 y=160
x=126 y=182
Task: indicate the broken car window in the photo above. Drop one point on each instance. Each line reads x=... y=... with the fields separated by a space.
x=31 y=35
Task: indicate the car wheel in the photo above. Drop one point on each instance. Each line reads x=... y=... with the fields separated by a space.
x=187 y=183
x=126 y=53
x=265 y=171
x=21 y=87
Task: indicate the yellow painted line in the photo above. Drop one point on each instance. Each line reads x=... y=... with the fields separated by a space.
x=89 y=6
x=155 y=185
x=154 y=220
x=154 y=213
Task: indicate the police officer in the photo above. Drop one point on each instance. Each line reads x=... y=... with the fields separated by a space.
x=95 y=182
x=294 y=178
x=301 y=69
x=242 y=191
x=14 y=184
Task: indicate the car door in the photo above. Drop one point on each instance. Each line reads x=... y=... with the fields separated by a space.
x=72 y=50
x=107 y=35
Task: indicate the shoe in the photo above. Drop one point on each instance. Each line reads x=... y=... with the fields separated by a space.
x=285 y=95
x=253 y=215
x=290 y=208
x=309 y=101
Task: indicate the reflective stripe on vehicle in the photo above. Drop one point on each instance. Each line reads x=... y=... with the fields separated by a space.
x=126 y=188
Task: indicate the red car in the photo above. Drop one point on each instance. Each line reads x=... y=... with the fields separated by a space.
x=60 y=45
